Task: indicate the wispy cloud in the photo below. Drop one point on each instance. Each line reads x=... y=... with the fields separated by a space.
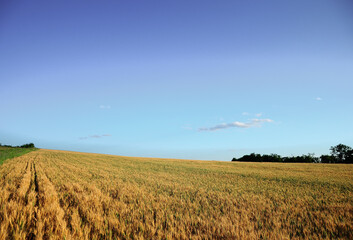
x=104 y=106
x=186 y=127
x=318 y=99
x=253 y=123
x=95 y=136
x=248 y=114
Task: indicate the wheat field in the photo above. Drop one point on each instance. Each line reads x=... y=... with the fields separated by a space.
x=49 y=194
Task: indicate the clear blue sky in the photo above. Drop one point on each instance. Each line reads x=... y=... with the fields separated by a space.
x=180 y=79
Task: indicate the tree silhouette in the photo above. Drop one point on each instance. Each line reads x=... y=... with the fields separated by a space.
x=339 y=154
x=342 y=153
x=28 y=145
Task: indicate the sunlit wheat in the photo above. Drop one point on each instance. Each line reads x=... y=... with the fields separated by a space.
x=66 y=195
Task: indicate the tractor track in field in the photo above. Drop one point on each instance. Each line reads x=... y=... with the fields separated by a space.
x=33 y=187
x=36 y=186
x=19 y=196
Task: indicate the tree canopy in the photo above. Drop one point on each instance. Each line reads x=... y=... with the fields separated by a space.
x=342 y=153
x=339 y=154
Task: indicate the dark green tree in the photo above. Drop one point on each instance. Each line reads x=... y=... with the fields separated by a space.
x=327 y=159
x=342 y=153
x=28 y=145
x=349 y=158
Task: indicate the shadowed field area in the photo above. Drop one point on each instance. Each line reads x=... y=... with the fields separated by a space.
x=49 y=194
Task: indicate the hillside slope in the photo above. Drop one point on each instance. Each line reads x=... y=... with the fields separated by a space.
x=56 y=194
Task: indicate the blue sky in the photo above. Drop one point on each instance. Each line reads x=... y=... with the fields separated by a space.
x=181 y=79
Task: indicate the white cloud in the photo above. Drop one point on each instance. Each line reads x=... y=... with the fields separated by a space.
x=255 y=120
x=248 y=114
x=186 y=127
x=95 y=136
x=104 y=107
x=253 y=123
x=318 y=99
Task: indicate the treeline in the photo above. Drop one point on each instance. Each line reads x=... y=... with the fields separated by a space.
x=27 y=145
x=339 y=154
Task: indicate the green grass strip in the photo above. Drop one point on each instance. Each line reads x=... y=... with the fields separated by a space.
x=12 y=152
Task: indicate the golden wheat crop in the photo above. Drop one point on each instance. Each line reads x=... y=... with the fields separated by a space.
x=50 y=194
